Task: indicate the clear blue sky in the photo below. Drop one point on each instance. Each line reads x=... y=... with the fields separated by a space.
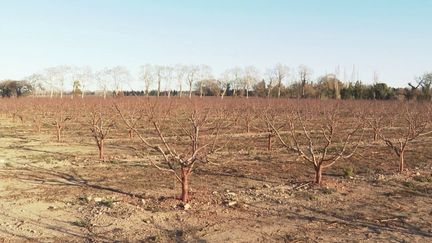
x=392 y=37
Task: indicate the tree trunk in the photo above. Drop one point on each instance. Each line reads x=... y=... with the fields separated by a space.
x=401 y=161
x=185 y=184
x=279 y=90
x=223 y=93
x=101 y=149
x=318 y=174
x=337 y=91
x=269 y=142
x=158 y=88
x=303 y=94
x=58 y=133
x=190 y=90
x=180 y=91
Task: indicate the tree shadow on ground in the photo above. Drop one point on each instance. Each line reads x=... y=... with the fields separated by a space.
x=233 y=174
x=50 y=176
x=65 y=229
x=21 y=147
x=349 y=218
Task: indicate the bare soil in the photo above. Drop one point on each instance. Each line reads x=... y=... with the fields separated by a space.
x=58 y=192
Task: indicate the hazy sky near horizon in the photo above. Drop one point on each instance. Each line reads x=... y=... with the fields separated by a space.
x=392 y=37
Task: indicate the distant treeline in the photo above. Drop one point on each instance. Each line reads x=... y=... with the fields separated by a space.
x=378 y=91
x=327 y=87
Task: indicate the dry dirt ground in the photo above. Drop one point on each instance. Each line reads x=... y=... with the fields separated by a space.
x=59 y=192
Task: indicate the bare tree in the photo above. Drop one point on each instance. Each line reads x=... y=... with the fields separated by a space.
x=374 y=117
x=119 y=76
x=205 y=74
x=319 y=146
x=280 y=73
x=223 y=82
x=63 y=74
x=168 y=76
x=100 y=126
x=412 y=125
x=270 y=118
x=180 y=73
x=336 y=83
x=56 y=78
x=251 y=77
x=235 y=75
x=114 y=77
x=84 y=75
x=146 y=74
x=59 y=120
x=36 y=80
x=196 y=125
x=192 y=77
x=271 y=78
x=159 y=73
x=304 y=73
x=64 y=77
x=103 y=79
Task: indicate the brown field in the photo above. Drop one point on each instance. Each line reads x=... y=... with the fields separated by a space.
x=55 y=185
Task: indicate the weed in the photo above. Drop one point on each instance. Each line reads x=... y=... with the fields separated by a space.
x=423 y=178
x=327 y=190
x=349 y=172
x=308 y=196
x=85 y=199
x=109 y=203
x=81 y=223
x=409 y=184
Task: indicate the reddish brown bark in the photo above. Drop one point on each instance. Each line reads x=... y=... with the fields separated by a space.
x=269 y=142
x=185 y=184
x=101 y=150
x=58 y=128
x=401 y=162
x=318 y=175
